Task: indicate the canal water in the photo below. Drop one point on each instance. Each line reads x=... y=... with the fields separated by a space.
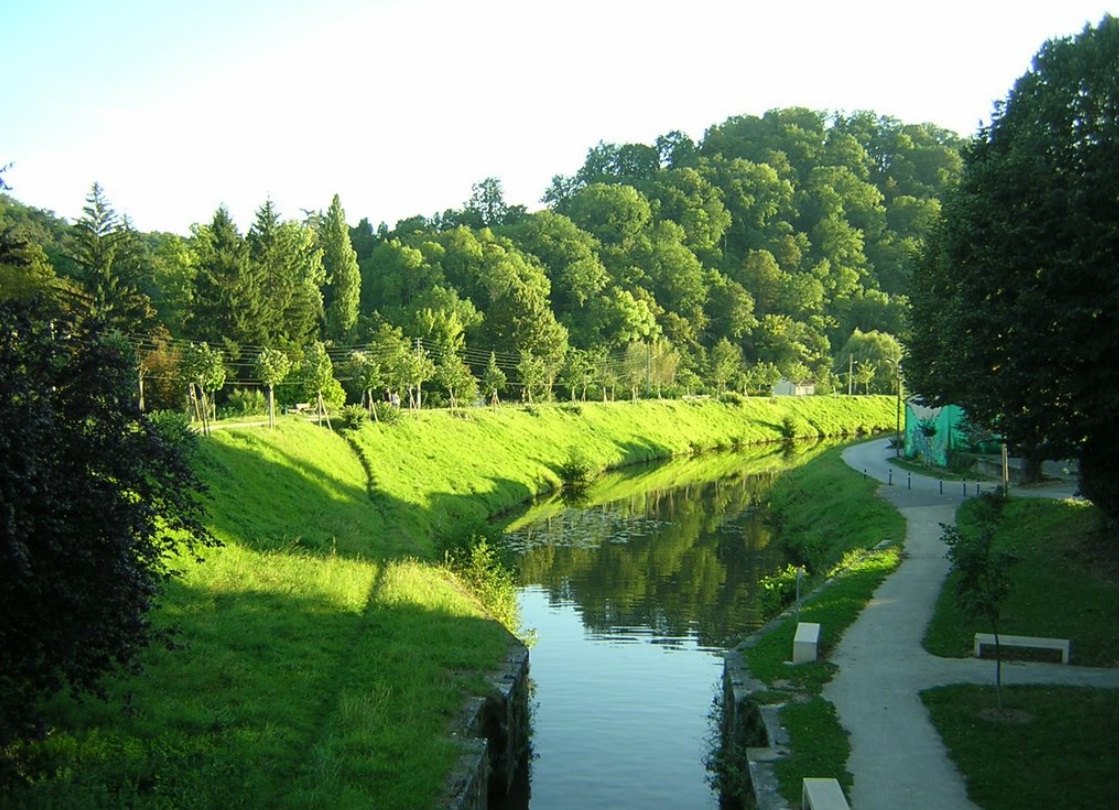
x=630 y=598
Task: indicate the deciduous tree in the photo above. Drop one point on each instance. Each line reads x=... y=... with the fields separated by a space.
x=1015 y=299
x=272 y=366
x=205 y=371
x=95 y=504
x=493 y=380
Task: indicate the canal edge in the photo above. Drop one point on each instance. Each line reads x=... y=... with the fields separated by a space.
x=758 y=738
x=493 y=733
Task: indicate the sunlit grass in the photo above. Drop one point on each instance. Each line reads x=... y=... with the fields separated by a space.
x=826 y=510
x=325 y=651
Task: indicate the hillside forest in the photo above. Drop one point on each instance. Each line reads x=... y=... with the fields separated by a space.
x=777 y=246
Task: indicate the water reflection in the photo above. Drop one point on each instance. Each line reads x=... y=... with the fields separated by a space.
x=677 y=557
x=632 y=597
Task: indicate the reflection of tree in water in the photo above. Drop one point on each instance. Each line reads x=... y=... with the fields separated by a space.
x=682 y=561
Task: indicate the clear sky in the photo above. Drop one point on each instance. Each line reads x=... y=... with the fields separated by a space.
x=178 y=106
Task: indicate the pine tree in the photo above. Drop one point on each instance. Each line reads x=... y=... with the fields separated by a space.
x=111 y=259
x=288 y=265
x=227 y=304
x=343 y=278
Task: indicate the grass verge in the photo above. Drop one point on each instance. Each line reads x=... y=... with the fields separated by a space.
x=1052 y=744
x=1063 y=584
x=831 y=515
x=1052 y=747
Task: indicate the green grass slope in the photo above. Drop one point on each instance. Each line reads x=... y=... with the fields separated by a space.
x=324 y=651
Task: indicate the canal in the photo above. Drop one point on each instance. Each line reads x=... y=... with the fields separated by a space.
x=631 y=596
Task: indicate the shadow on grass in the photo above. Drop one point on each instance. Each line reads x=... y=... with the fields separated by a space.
x=275 y=699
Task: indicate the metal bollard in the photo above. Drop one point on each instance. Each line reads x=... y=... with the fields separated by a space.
x=964 y=489
x=890 y=478
x=908 y=480
x=940 y=485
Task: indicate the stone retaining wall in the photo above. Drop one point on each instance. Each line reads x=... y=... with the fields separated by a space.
x=494 y=732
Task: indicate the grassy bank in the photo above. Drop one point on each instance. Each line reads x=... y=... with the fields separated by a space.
x=438 y=476
x=325 y=650
x=831 y=516
x=1063 y=584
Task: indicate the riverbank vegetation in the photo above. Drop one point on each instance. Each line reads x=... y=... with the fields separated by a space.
x=831 y=517
x=326 y=649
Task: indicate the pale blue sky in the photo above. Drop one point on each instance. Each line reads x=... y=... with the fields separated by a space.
x=398 y=106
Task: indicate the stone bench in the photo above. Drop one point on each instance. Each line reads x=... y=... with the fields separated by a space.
x=989 y=640
x=822 y=794
x=805 y=642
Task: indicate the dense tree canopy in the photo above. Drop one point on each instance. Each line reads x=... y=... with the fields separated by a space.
x=780 y=234
x=1015 y=300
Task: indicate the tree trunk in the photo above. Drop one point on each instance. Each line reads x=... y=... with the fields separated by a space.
x=1030 y=466
x=999 y=669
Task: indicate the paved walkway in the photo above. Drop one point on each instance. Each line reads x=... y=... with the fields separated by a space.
x=897 y=757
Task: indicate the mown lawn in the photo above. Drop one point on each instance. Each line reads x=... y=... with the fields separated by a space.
x=1063 y=583
x=1053 y=746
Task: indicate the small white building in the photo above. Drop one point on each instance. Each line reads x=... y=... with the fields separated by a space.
x=788 y=388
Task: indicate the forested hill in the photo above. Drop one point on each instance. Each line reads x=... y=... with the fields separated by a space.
x=778 y=244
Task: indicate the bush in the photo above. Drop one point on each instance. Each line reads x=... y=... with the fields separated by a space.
x=353 y=417
x=174 y=427
x=575 y=471
x=479 y=567
x=788 y=428
x=386 y=412
x=245 y=402
x=777 y=590
x=95 y=505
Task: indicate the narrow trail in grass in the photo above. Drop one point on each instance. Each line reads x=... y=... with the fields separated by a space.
x=897 y=757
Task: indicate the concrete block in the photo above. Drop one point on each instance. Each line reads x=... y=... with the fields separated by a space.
x=805 y=642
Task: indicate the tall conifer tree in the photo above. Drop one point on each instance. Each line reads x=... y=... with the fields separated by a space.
x=343 y=278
